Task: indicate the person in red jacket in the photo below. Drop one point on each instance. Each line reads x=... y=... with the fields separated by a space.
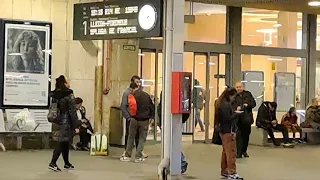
x=289 y=120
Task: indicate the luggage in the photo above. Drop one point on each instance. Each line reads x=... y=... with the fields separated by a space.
x=99 y=145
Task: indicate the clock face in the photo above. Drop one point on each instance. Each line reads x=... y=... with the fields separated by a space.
x=147 y=17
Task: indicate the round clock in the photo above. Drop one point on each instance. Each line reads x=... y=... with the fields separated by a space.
x=147 y=17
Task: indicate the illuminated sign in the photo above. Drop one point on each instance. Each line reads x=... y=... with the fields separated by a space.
x=120 y=19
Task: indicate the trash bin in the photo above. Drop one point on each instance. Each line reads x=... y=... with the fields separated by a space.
x=117 y=127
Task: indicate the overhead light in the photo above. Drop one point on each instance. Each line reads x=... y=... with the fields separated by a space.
x=212 y=63
x=201 y=63
x=266 y=30
x=275 y=36
x=140 y=54
x=277 y=25
x=274 y=59
x=250 y=35
x=314 y=3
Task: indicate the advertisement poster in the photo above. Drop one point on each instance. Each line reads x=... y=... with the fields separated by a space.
x=26 y=65
x=36 y=122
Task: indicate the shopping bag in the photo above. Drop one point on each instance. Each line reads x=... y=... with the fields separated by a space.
x=99 y=145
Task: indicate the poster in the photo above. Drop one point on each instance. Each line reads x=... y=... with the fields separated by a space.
x=26 y=65
x=39 y=116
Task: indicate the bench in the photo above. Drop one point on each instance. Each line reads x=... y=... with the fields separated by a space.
x=259 y=137
x=45 y=138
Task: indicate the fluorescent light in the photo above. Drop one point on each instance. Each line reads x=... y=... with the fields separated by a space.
x=201 y=63
x=274 y=59
x=15 y=54
x=314 y=3
x=277 y=25
x=250 y=35
x=212 y=63
x=266 y=30
x=140 y=54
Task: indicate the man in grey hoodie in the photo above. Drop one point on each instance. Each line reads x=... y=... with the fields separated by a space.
x=126 y=111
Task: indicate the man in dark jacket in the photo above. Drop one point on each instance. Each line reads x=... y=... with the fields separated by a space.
x=244 y=101
x=139 y=123
x=267 y=120
x=313 y=115
x=126 y=111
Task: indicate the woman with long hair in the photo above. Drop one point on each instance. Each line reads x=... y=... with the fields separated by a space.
x=68 y=126
x=225 y=121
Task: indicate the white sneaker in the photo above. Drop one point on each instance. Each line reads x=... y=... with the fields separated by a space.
x=139 y=160
x=234 y=176
x=125 y=159
x=144 y=155
x=124 y=154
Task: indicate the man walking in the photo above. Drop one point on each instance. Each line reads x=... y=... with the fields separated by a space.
x=126 y=110
x=245 y=101
x=139 y=123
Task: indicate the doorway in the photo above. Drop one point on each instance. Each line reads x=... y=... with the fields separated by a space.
x=208 y=84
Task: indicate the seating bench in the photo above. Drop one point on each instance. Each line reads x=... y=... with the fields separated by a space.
x=19 y=135
x=259 y=137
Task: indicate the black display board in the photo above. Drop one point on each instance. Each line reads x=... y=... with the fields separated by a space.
x=117 y=19
x=25 y=68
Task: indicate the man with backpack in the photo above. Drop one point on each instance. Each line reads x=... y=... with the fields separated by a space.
x=126 y=110
x=141 y=110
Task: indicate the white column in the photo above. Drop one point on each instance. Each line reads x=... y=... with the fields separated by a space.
x=174 y=40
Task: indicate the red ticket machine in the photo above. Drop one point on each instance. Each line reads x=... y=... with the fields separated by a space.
x=181 y=92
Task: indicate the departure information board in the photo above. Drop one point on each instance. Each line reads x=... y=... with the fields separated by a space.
x=117 y=19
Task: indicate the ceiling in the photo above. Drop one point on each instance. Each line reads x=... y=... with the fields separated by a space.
x=283 y=5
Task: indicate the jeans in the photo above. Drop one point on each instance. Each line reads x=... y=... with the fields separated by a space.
x=229 y=154
x=139 y=128
x=61 y=148
x=198 y=120
x=278 y=127
x=127 y=135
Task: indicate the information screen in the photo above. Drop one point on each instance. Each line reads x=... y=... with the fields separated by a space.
x=119 y=19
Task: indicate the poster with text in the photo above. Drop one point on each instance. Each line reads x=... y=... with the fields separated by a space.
x=26 y=65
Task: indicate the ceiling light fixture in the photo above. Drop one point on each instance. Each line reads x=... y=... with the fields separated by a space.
x=274 y=59
x=277 y=25
x=314 y=3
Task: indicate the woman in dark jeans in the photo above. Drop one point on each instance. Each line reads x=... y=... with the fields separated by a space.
x=64 y=132
x=225 y=119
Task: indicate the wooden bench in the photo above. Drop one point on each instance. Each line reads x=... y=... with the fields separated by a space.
x=45 y=138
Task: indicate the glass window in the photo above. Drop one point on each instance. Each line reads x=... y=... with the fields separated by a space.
x=271 y=78
x=209 y=25
x=271 y=28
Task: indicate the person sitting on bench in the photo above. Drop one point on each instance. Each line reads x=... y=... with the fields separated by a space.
x=267 y=120
x=313 y=116
x=289 y=120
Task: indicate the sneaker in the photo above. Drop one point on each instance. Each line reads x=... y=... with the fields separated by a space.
x=69 y=167
x=2 y=147
x=124 y=154
x=54 y=168
x=125 y=159
x=224 y=176
x=301 y=141
x=234 y=176
x=288 y=145
x=139 y=160
x=246 y=155
x=144 y=155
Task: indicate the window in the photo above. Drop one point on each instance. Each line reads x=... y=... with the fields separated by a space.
x=209 y=25
x=271 y=28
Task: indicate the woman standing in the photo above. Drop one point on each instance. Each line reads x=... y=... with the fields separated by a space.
x=226 y=121
x=64 y=132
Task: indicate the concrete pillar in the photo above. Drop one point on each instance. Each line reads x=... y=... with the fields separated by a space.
x=123 y=65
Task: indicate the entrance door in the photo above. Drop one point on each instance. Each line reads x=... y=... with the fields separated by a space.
x=209 y=82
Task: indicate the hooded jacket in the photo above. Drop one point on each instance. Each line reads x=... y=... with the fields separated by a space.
x=265 y=115
x=64 y=132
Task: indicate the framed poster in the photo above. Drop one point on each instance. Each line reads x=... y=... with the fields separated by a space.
x=26 y=55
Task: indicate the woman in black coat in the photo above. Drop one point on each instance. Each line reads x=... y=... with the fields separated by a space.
x=64 y=132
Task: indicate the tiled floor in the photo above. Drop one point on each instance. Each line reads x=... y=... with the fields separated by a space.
x=299 y=163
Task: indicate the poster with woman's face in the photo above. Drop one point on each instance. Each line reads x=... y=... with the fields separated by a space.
x=26 y=65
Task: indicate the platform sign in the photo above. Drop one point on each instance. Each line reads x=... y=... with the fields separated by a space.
x=117 y=19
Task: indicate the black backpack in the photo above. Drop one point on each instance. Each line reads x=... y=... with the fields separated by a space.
x=54 y=112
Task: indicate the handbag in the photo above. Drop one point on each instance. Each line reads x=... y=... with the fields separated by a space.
x=216 y=138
